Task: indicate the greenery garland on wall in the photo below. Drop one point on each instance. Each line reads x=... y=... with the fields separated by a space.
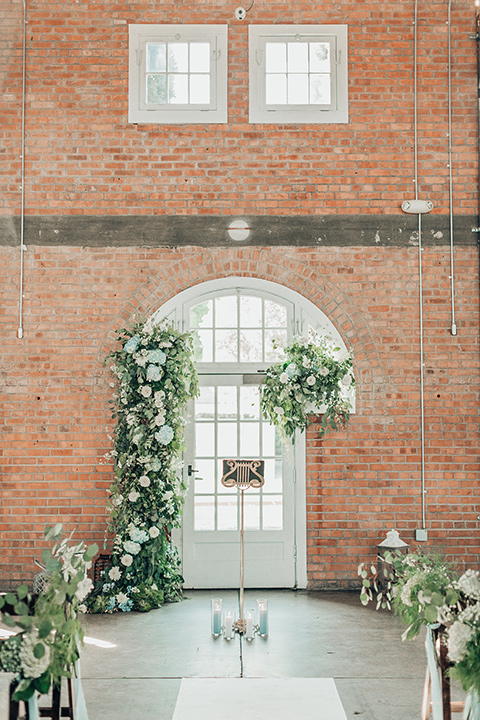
x=156 y=377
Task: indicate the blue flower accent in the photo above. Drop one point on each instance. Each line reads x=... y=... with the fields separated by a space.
x=139 y=536
x=126 y=606
x=132 y=344
x=110 y=606
x=156 y=356
x=164 y=435
x=291 y=370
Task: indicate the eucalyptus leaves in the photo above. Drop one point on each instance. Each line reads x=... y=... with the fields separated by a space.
x=47 y=646
x=156 y=377
x=311 y=376
x=423 y=589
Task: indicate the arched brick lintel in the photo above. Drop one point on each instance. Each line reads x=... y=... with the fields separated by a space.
x=198 y=265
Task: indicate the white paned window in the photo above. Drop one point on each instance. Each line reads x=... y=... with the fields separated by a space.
x=298 y=74
x=177 y=74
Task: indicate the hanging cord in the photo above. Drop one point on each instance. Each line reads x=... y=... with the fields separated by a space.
x=453 y=328
x=22 y=177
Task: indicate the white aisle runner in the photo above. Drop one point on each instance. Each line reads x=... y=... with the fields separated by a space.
x=258 y=699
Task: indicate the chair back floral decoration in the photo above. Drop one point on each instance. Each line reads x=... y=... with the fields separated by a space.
x=425 y=590
x=311 y=380
x=46 y=647
x=155 y=378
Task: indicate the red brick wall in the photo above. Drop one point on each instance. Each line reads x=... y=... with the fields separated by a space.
x=82 y=157
x=360 y=482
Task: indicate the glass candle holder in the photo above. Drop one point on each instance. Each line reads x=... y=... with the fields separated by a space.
x=262 y=616
x=216 y=616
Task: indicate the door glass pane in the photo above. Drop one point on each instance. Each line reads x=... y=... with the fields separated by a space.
x=272 y=512
x=268 y=439
x=205 y=404
x=205 y=477
x=227 y=403
x=250 y=345
x=249 y=440
x=226 y=346
x=205 y=439
x=227 y=440
x=273 y=476
x=204 y=512
x=249 y=403
x=227 y=512
x=252 y=511
x=226 y=311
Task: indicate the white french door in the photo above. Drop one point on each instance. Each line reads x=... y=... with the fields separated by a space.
x=227 y=423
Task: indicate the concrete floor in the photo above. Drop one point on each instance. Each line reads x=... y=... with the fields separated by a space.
x=133 y=663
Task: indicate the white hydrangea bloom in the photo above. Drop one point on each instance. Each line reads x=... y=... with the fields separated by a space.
x=83 y=588
x=32 y=666
x=458 y=636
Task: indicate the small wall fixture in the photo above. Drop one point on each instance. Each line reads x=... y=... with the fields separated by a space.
x=417 y=207
x=238 y=230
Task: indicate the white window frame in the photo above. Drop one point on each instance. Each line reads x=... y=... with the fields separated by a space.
x=260 y=112
x=215 y=111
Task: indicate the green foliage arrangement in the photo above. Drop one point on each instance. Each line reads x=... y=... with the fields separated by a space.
x=423 y=589
x=156 y=377
x=310 y=376
x=47 y=646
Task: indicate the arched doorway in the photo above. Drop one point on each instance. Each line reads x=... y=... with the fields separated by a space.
x=239 y=325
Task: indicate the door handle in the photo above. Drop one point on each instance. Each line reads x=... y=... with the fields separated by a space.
x=191 y=470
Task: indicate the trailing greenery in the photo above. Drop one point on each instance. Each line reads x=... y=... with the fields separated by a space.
x=156 y=377
x=424 y=589
x=310 y=376
x=47 y=646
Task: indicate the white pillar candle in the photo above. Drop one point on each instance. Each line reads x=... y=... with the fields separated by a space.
x=228 y=626
x=249 y=626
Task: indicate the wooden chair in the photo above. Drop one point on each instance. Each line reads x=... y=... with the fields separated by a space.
x=436 y=691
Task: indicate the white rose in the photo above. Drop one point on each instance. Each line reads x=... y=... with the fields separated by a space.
x=133 y=496
x=146 y=391
x=324 y=371
x=311 y=380
x=126 y=560
x=144 y=481
x=154 y=532
x=279 y=410
x=346 y=380
x=160 y=420
x=284 y=378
